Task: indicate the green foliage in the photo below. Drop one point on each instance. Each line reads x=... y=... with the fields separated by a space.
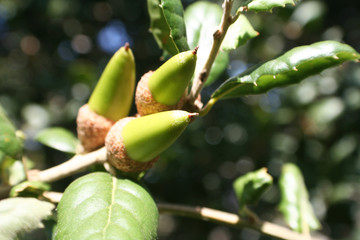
x=201 y=19
x=295 y=203
x=58 y=138
x=238 y=34
x=29 y=189
x=167 y=25
x=250 y=187
x=99 y=206
x=267 y=5
x=12 y=171
x=10 y=144
x=292 y=67
x=315 y=123
x=19 y=215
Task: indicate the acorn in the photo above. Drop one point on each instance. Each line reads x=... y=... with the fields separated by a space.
x=133 y=144
x=164 y=89
x=110 y=101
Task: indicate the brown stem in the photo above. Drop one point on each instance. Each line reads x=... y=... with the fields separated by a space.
x=74 y=165
x=231 y=219
x=53 y=197
x=218 y=37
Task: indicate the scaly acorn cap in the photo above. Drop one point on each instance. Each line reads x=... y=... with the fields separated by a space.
x=113 y=94
x=133 y=144
x=166 y=86
x=92 y=129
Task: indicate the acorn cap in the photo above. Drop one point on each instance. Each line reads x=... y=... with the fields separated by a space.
x=116 y=152
x=168 y=83
x=113 y=94
x=145 y=102
x=91 y=128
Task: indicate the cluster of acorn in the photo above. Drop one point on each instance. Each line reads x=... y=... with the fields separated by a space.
x=134 y=143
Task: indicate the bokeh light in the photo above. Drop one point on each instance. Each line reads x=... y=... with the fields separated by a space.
x=113 y=36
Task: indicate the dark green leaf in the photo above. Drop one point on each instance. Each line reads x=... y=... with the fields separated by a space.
x=295 y=204
x=267 y=5
x=202 y=19
x=18 y=215
x=167 y=25
x=292 y=67
x=4 y=118
x=29 y=189
x=10 y=144
x=99 y=206
x=58 y=138
x=251 y=186
x=238 y=34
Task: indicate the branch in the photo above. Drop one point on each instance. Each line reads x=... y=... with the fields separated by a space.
x=218 y=36
x=74 y=165
x=231 y=219
x=53 y=197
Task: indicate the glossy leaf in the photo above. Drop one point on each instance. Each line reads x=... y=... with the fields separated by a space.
x=58 y=138
x=267 y=5
x=295 y=204
x=251 y=186
x=29 y=189
x=202 y=19
x=18 y=215
x=99 y=206
x=238 y=34
x=292 y=67
x=167 y=25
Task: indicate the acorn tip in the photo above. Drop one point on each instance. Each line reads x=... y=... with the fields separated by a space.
x=193 y=116
x=127 y=46
x=195 y=50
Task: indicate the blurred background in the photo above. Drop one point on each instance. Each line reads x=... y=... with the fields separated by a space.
x=52 y=53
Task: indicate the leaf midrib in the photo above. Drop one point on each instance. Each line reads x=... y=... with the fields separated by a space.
x=114 y=181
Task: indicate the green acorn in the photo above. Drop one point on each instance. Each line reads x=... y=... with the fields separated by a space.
x=133 y=144
x=113 y=95
x=164 y=89
x=110 y=100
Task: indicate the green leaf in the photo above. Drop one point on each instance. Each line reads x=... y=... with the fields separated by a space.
x=295 y=205
x=18 y=215
x=167 y=25
x=58 y=138
x=15 y=172
x=10 y=144
x=202 y=19
x=4 y=118
x=251 y=186
x=238 y=34
x=292 y=67
x=29 y=189
x=267 y=5
x=99 y=206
